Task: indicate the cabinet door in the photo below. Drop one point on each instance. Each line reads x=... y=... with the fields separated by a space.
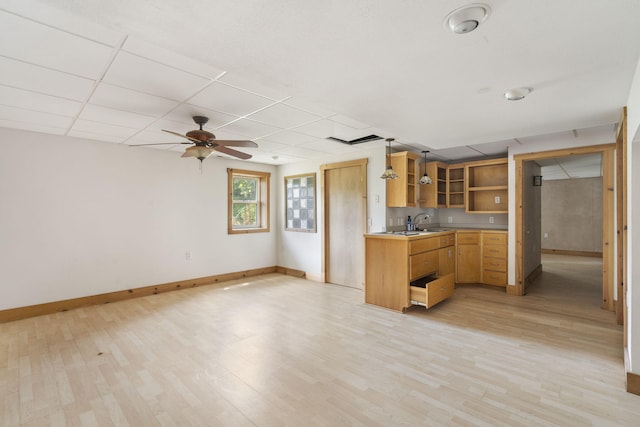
x=468 y=264
x=447 y=261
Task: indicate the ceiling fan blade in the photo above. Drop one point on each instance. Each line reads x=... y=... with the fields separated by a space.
x=161 y=143
x=234 y=143
x=180 y=135
x=232 y=152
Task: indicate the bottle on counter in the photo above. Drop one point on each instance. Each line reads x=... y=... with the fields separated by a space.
x=409 y=224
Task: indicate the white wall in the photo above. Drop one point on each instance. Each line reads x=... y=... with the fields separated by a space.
x=633 y=233
x=303 y=251
x=80 y=217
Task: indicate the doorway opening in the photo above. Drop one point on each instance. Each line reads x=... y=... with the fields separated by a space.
x=530 y=239
x=566 y=234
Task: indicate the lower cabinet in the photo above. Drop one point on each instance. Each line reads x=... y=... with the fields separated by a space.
x=494 y=258
x=393 y=264
x=468 y=257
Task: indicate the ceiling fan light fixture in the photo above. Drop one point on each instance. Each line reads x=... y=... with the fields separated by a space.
x=467 y=18
x=389 y=173
x=425 y=179
x=198 y=151
x=517 y=94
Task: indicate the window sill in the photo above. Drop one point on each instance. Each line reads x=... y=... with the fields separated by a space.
x=248 y=230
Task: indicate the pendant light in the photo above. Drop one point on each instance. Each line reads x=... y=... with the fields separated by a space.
x=389 y=173
x=425 y=178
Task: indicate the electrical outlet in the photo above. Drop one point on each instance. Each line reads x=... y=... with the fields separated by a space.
x=369 y=222
x=400 y=221
x=377 y=198
x=187 y=255
x=490 y=220
x=546 y=235
x=497 y=199
x=390 y=222
x=450 y=220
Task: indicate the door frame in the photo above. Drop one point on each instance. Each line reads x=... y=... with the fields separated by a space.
x=362 y=163
x=608 y=169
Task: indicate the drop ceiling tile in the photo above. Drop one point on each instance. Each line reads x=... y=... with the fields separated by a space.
x=94 y=136
x=253 y=86
x=28 y=116
x=348 y=121
x=494 y=148
x=309 y=107
x=581 y=161
x=36 y=127
x=457 y=153
x=52 y=48
x=58 y=17
x=291 y=138
x=37 y=79
x=110 y=116
x=552 y=169
x=119 y=98
x=320 y=128
x=38 y=102
x=185 y=113
x=103 y=129
x=250 y=129
x=230 y=100
x=173 y=59
x=329 y=146
x=283 y=116
x=133 y=72
x=155 y=136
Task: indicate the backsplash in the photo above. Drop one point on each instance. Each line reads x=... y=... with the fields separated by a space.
x=444 y=217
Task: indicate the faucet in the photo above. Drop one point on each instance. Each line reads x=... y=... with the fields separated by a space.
x=417 y=222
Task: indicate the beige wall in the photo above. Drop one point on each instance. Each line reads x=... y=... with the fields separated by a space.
x=572 y=214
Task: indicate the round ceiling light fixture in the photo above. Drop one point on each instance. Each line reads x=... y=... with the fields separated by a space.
x=467 y=18
x=517 y=94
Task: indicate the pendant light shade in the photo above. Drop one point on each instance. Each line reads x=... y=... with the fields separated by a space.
x=425 y=179
x=389 y=173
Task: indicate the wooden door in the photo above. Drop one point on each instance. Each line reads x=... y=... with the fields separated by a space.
x=345 y=219
x=468 y=264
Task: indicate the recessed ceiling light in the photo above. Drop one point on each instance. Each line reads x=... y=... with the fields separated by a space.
x=517 y=94
x=467 y=18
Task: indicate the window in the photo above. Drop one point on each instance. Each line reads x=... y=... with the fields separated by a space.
x=248 y=201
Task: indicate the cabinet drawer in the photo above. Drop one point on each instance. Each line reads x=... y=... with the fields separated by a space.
x=494 y=251
x=494 y=278
x=468 y=238
x=423 y=264
x=448 y=240
x=421 y=245
x=495 y=264
x=435 y=291
x=494 y=239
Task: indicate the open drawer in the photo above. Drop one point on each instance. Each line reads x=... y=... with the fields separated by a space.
x=435 y=289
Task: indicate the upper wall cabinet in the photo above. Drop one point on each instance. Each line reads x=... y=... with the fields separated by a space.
x=447 y=189
x=487 y=186
x=403 y=192
x=434 y=195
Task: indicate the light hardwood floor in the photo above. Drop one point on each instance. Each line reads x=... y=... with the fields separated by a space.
x=278 y=350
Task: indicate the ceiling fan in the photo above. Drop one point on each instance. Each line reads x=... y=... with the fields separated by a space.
x=205 y=143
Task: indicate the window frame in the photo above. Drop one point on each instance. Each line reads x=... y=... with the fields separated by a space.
x=263 y=197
